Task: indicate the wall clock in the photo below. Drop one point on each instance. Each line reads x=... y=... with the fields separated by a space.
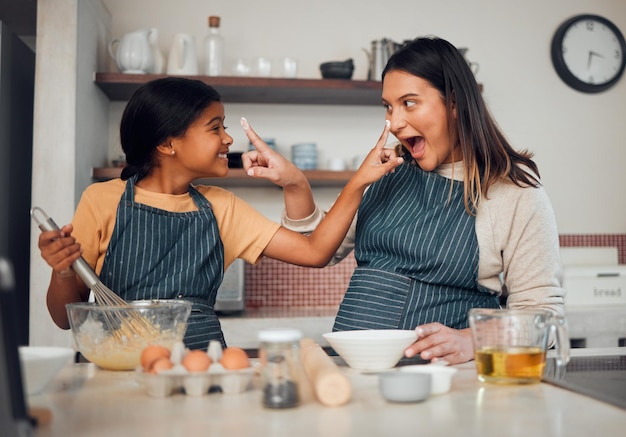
x=589 y=53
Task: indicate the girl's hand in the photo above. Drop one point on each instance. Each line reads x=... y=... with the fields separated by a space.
x=264 y=162
x=379 y=161
x=59 y=249
x=439 y=342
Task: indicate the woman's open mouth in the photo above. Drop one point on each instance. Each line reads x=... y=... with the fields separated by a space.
x=415 y=145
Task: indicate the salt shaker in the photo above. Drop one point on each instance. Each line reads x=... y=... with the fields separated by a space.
x=279 y=355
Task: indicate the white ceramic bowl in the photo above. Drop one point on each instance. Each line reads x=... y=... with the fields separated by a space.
x=441 y=375
x=374 y=349
x=40 y=364
x=404 y=386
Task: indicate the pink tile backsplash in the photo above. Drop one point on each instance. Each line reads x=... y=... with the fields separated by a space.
x=276 y=284
x=597 y=240
x=273 y=283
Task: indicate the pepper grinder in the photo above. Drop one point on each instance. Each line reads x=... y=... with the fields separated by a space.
x=279 y=355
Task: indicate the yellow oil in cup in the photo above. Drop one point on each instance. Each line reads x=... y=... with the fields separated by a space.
x=510 y=345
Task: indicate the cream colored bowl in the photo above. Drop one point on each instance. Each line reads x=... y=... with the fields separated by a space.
x=374 y=349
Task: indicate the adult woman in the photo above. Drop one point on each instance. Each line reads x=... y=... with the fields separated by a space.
x=152 y=234
x=462 y=220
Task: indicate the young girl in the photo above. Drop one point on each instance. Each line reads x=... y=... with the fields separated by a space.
x=154 y=235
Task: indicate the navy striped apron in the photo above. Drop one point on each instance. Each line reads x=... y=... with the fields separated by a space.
x=157 y=254
x=417 y=256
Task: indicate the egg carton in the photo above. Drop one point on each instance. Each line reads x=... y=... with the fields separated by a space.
x=180 y=380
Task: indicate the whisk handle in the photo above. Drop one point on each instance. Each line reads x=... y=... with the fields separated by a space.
x=44 y=222
x=80 y=266
x=85 y=272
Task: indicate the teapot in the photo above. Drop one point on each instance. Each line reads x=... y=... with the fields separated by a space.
x=134 y=52
x=182 y=59
x=377 y=58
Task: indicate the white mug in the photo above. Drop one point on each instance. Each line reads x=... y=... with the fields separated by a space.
x=336 y=164
x=241 y=67
x=262 y=67
x=182 y=59
x=290 y=68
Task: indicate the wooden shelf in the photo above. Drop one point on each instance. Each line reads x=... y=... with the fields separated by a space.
x=238 y=178
x=120 y=86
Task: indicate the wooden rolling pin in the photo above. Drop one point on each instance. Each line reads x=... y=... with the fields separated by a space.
x=331 y=387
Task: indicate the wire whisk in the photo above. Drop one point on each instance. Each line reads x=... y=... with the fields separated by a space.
x=126 y=323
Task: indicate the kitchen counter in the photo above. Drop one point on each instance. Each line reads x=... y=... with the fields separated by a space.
x=86 y=401
x=241 y=329
x=594 y=326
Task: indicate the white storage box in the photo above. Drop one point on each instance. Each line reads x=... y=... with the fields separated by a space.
x=595 y=285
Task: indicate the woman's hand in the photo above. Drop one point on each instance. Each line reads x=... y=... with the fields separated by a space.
x=439 y=342
x=59 y=249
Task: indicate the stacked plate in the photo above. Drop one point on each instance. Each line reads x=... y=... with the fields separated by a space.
x=304 y=156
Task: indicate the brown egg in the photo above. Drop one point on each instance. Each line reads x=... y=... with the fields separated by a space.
x=234 y=358
x=160 y=364
x=152 y=353
x=196 y=361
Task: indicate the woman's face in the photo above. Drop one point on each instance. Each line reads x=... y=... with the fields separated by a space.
x=201 y=151
x=417 y=114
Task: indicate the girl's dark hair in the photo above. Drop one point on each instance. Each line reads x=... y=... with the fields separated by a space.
x=159 y=110
x=487 y=155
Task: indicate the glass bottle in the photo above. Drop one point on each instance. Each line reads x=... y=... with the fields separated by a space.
x=279 y=354
x=213 y=48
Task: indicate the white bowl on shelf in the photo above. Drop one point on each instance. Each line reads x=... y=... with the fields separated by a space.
x=372 y=349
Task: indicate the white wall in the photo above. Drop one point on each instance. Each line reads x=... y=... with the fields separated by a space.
x=577 y=138
x=66 y=140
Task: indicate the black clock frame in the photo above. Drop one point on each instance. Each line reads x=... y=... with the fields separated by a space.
x=559 y=62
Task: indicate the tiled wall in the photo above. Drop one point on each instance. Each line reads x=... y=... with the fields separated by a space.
x=276 y=284
x=273 y=283
x=598 y=240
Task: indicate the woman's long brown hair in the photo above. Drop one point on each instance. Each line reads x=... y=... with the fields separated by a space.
x=488 y=157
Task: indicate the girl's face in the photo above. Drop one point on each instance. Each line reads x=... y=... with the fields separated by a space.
x=201 y=151
x=417 y=114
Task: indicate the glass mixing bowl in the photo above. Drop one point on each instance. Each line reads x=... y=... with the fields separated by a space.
x=113 y=337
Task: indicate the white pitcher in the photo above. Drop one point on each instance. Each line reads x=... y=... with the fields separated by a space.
x=182 y=59
x=134 y=53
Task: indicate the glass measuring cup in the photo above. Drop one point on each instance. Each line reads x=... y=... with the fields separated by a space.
x=510 y=345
